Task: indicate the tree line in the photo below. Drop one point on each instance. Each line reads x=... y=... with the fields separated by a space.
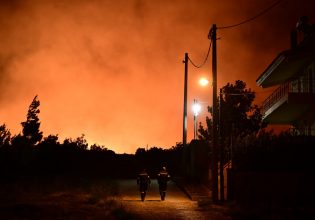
x=31 y=154
x=243 y=138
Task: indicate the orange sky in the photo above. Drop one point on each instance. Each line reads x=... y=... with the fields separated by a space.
x=113 y=70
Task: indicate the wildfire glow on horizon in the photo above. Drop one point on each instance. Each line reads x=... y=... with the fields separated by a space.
x=113 y=70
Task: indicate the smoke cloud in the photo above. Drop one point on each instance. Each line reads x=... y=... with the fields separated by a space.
x=113 y=69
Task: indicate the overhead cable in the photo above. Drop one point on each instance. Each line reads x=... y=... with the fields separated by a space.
x=252 y=18
x=205 y=60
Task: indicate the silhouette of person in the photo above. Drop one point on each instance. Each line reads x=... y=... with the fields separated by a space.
x=144 y=182
x=163 y=177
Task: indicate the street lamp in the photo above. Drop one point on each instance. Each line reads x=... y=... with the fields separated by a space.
x=203 y=81
x=196 y=110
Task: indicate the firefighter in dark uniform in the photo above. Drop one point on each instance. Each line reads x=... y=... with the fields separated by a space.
x=163 y=177
x=143 y=182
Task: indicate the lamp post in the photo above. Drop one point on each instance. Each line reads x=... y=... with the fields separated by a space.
x=196 y=110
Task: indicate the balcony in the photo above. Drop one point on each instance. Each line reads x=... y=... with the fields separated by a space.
x=290 y=102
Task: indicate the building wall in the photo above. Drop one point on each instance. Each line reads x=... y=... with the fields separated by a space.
x=293 y=102
x=304 y=83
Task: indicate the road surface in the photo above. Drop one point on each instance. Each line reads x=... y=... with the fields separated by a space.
x=176 y=205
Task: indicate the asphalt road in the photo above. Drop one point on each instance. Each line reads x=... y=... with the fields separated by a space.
x=176 y=205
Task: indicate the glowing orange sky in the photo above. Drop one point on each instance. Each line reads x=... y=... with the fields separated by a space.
x=113 y=70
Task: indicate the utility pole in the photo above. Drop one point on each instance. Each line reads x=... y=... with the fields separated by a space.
x=185 y=102
x=184 y=159
x=214 y=159
x=221 y=149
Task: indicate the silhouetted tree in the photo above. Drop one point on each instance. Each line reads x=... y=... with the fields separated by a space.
x=98 y=148
x=5 y=136
x=140 y=152
x=239 y=116
x=51 y=140
x=79 y=143
x=19 y=142
x=31 y=126
x=49 y=143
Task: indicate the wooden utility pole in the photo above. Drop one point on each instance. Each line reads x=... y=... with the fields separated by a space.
x=221 y=149
x=184 y=159
x=185 y=102
x=214 y=158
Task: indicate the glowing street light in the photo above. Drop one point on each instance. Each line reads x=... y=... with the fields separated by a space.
x=196 y=107
x=203 y=81
x=196 y=110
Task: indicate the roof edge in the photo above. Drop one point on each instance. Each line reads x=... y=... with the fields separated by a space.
x=274 y=64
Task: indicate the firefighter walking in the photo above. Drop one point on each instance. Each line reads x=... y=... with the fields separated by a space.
x=163 y=177
x=143 y=182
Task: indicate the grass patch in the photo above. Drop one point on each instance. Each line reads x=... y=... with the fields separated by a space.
x=60 y=198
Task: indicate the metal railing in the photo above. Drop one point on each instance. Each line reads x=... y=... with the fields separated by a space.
x=296 y=86
x=302 y=130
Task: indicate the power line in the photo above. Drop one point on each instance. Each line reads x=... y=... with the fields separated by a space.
x=205 y=60
x=254 y=17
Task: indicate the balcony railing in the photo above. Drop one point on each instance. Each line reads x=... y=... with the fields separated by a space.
x=302 y=130
x=296 y=86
